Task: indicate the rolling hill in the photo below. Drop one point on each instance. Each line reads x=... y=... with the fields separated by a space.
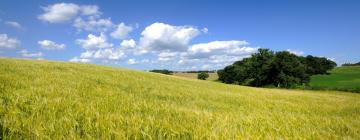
x=212 y=76
x=341 y=78
x=62 y=100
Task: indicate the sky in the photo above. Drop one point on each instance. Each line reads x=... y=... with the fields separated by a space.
x=177 y=34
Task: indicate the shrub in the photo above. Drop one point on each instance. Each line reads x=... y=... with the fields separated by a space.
x=203 y=76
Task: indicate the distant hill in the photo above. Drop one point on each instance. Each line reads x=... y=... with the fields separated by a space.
x=62 y=100
x=341 y=78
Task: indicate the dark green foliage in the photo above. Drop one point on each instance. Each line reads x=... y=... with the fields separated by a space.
x=288 y=70
x=164 y=71
x=203 y=76
x=280 y=69
x=317 y=65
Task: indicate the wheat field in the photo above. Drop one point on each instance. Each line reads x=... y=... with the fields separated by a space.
x=62 y=100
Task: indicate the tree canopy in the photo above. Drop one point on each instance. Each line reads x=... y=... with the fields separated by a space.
x=280 y=69
x=203 y=75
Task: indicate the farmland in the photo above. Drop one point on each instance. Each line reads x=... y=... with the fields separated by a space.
x=341 y=78
x=62 y=100
x=212 y=76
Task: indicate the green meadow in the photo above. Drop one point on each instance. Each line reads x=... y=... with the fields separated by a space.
x=341 y=78
x=62 y=100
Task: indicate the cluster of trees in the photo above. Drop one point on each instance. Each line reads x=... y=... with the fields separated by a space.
x=203 y=75
x=164 y=71
x=200 y=71
x=280 y=69
x=350 y=64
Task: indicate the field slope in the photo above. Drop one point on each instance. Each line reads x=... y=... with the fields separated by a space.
x=58 y=100
x=341 y=78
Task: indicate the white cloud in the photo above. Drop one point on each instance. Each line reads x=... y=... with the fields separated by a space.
x=14 y=24
x=165 y=37
x=132 y=61
x=232 y=48
x=122 y=31
x=81 y=60
x=205 y=30
x=94 y=42
x=214 y=55
x=167 y=56
x=8 y=43
x=299 y=53
x=65 y=12
x=128 y=44
x=50 y=45
x=25 y=53
x=103 y=54
x=60 y=12
x=93 y=24
x=97 y=48
x=90 y=10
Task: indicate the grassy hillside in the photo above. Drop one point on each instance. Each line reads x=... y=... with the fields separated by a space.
x=212 y=76
x=341 y=78
x=56 y=100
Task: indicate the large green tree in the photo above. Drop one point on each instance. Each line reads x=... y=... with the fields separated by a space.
x=281 y=69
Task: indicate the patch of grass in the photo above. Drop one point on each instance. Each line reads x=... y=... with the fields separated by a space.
x=345 y=78
x=58 y=100
x=212 y=76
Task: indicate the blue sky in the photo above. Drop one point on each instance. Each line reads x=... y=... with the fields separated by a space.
x=177 y=35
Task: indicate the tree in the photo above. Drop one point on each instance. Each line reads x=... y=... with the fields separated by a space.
x=288 y=70
x=203 y=76
x=260 y=67
x=280 y=69
x=164 y=71
x=227 y=75
x=318 y=65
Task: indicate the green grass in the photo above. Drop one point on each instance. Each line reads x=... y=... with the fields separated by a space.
x=341 y=78
x=59 y=100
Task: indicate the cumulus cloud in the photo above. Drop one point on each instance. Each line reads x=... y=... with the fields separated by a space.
x=167 y=56
x=81 y=60
x=216 y=54
x=50 y=45
x=90 y=10
x=93 y=24
x=8 y=43
x=122 y=31
x=165 y=37
x=14 y=24
x=65 y=12
x=59 y=12
x=231 y=48
x=94 y=42
x=132 y=61
x=105 y=54
x=128 y=44
x=299 y=53
x=27 y=54
x=205 y=30
x=97 y=48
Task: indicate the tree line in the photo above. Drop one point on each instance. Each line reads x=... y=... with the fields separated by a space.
x=351 y=64
x=279 y=69
x=163 y=71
